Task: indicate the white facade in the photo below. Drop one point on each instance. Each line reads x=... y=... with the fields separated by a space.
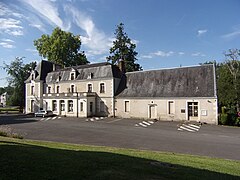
x=75 y=93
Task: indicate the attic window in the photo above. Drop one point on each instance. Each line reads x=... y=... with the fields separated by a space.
x=72 y=76
x=32 y=76
x=90 y=76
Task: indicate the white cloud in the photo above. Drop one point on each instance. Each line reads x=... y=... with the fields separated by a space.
x=200 y=32
x=232 y=35
x=95 y=40
x=38 y=26
x=146 y=57
x=6 y=45
x=8 y=40
x=49 y=11
x=181 y=53
x=9 y=23
x=11 y=26
x=197 y=54
x=163 y=54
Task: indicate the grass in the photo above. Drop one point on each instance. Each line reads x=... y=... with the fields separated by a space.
x=24 y=159
x=9 y=109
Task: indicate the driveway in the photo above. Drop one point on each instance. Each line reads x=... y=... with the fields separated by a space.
x=187 y=138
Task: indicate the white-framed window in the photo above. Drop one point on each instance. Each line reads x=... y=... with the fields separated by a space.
x=127 y=106
x=32 y=90
x=89 y=87
x=54 y=105
x=102 y=87
x=58 y=89
x=62 y=105
x=171 y=108
x=72 y=88
x=72 y=76
x=70 y=105
x=81 y=106
x=49 y=89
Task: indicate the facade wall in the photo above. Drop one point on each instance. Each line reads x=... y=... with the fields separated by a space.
x=102 y=103
x=168 y=109
x=33 y=93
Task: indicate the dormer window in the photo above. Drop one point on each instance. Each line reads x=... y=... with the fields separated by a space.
x=90 y=75
x=32 y=76
x=72 y=76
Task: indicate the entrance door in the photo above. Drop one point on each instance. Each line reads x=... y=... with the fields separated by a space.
x=192 y=110
x=32 y=106
x=152 y=112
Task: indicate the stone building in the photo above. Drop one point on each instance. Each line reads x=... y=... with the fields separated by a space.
x=102 y=89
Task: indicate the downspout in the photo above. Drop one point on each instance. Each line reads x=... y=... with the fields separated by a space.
x=77 y=104
x=215 y=91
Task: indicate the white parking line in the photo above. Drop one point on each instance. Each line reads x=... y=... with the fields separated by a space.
x=190 y=127
x=144 y=122
x=115 y=120
x=59 y=117
x=194 y=126
x=54 y=117
x=186 y=129
x=143 y=125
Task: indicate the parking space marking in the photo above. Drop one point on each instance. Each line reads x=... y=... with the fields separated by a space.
x=145 y=123
x=95 y=119
x=114 y=120
x=189 y=127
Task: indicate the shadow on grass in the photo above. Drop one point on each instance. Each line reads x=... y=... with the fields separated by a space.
x=7 y=119
x=23 y=161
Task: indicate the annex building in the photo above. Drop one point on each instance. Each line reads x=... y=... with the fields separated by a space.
x=103 y=89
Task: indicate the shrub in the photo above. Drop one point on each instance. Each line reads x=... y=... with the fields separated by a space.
x=223 y=119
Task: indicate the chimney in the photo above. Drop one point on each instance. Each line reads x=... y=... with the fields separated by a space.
x=54 y=66
x=121 y=65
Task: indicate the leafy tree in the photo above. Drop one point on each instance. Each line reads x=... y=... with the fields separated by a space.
x=233 y=65
x=61 y=47
x=124 y=49
x=18 y=72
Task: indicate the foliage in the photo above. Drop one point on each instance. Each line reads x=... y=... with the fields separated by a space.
x=18 y=72
x=124 y=49
x=61 y=47
x=43 y=160
x=223 y=119
x=233 y=64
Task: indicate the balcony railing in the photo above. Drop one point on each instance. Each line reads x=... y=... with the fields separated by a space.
x=70 y=94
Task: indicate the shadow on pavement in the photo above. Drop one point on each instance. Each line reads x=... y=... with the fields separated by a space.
x=6 y=119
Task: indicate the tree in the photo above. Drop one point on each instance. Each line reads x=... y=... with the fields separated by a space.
x=18 y=72
x=124 y=49
x=233 y=65
x=61 y=47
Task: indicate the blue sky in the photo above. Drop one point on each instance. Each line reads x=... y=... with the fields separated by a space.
x=168 y=33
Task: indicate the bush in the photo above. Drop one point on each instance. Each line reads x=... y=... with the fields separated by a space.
x=237 y=122
x=223 y=119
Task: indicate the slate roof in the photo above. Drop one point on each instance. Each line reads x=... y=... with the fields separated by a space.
x=41 y=71
x=198 y=81
x=98 y=71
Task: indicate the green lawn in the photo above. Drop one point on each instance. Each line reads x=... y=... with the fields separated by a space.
x=24 y=159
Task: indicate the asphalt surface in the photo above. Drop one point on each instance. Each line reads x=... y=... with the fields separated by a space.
x=178 y=137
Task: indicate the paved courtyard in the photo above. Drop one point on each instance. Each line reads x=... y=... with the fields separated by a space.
x=179 y=137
